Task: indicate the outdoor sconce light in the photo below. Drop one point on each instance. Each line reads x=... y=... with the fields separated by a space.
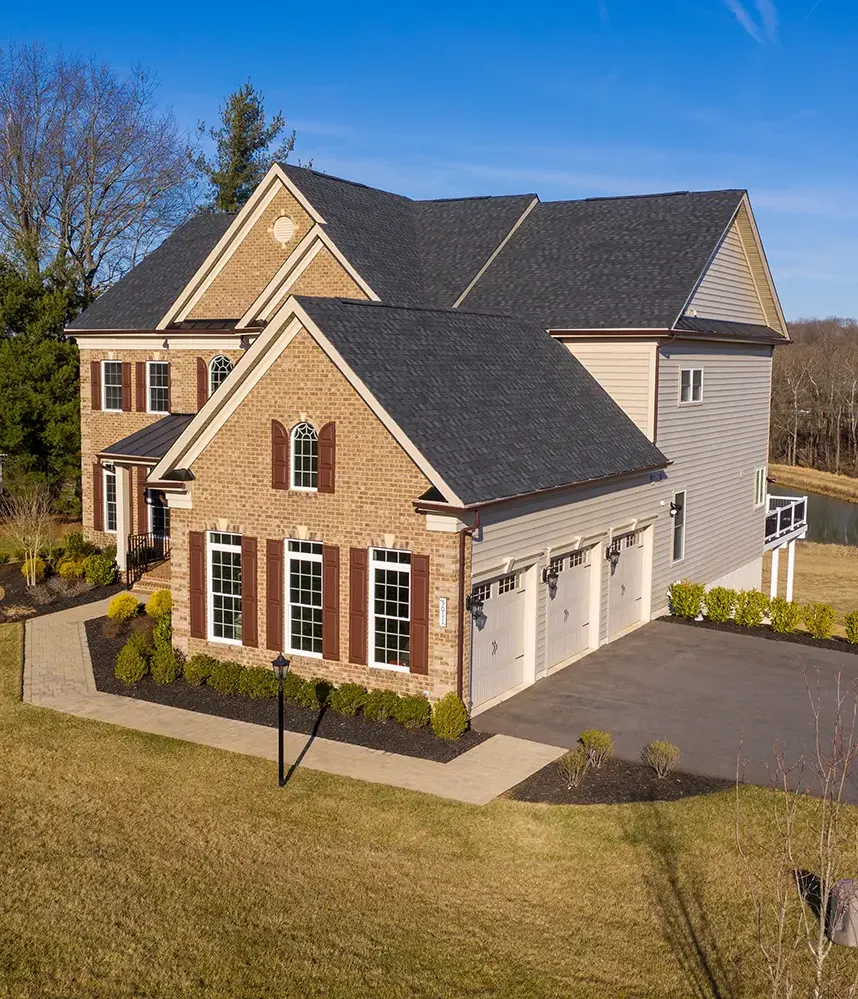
x=613 y=556
x=550 y=575
x=281 y=667
x=674 y=509
x=475 y=606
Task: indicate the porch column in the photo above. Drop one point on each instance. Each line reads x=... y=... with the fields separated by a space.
x=790 y=568
x=123 y=513
x=776 y=561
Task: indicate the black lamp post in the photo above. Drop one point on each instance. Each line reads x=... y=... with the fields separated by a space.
x=281 y=667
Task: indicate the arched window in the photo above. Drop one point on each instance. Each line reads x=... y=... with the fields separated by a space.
x=305 y=457
x=219 y=368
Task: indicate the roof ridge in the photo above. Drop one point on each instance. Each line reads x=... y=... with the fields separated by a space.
x=473 y=197
x=640 y=197
x=345 y=180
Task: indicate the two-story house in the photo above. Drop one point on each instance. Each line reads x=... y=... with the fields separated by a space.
x=434 y=445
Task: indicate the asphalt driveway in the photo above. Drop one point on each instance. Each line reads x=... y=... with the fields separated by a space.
x=710 y=692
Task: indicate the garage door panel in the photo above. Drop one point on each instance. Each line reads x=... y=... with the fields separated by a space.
x=497 y=639
x=569 y=607
x=625 y=588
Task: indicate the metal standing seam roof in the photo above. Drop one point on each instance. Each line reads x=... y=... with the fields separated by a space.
x=153 y=441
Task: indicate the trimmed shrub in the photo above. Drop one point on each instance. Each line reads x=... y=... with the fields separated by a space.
x=99 y=570
x=784 y=615
x=225 y=676
x=71 y=570
x=686 y=599
x=449 y=717
x=159 y=604
x=852 y=628
x=380 y=705
x=76 y=547
x=751 y=608
x=598 y=745
x=413 y=711
x=720 y=602
x=257 y=681
x=293 y=687
x=123 y=607
x=819 y=619
x=348 y=698
x=199 y=668
x=163 y=632
x=109 y=551
x=573 y=765
x=662 y=756
x=166 y=664
x=36 y=566
x=132 y=663
x=314 y=693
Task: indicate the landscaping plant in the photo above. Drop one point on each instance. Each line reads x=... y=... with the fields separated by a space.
x=159 y=604
x=70 y=570
x=851 y=621
x=225 y=676
x=662 y=756
x=348 y=698
x=380 y=705
x=573 y=765
x=313 y=694
x=599 y=746
x=258 y=682
x=99 y=570
x=413 y=711
x=449 y=717
x=720 y=602
x=34 y=570
x=199 y=668
x=163 y=630
x=132 y=663
x=122 y=607
x=784 y=615
x=819 y=619
x=165 y=664
x=686 y=599
x=751 y=608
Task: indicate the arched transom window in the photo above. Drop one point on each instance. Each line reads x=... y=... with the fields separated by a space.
x=219 y=368
x=305 y=457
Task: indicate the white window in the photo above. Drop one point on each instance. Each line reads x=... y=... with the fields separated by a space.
x=690 y=385
x=304 y=597
x=305 y=457
x=677 y=510
x=111 y=385
x=759 y=487
x=157 y=375
x=110 y=498
x=390 y=610
x=219 y=368
x=159 y=513
x=506 y=584
x=224 y=587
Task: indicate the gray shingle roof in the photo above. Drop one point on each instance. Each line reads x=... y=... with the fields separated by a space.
x=140 y=299
x=727 y=330
x=493 y=403
x=153 y=441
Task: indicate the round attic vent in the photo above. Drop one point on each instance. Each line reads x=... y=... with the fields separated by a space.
x=284 y=229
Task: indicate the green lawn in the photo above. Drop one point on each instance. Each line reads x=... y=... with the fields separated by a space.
x=134 y=865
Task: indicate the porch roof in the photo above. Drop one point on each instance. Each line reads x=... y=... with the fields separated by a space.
x=153 y=441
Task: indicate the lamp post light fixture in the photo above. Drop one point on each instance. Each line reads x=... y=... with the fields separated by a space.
x=281 y=667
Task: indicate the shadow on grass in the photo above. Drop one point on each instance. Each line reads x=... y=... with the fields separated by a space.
x=306 y=747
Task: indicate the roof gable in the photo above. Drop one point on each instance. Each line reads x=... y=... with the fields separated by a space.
x=727 y=289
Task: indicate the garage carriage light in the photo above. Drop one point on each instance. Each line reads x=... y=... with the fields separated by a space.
x=613 y=555
x=550 y=575
x=474 y=604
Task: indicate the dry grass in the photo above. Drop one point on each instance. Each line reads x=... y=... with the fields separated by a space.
x=135 y=865
x=823 y=573
x=825 y=483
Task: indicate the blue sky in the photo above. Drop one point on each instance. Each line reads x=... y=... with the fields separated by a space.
x=569 y=100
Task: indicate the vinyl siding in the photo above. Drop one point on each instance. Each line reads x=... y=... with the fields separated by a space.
x=750 y=238
x=728 y=290
x=626 y=371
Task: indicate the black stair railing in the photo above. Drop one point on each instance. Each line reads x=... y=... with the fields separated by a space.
x=144 y=551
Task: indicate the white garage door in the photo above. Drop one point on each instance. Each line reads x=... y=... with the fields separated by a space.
x=569 y=607
x=625 y=589
x=497 y=639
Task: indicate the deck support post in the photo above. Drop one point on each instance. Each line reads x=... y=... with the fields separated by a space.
x=776 y=558
x=790 y=568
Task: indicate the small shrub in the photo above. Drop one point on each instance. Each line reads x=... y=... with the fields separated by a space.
x=449 y=717
x=784 y=615
x=686 y=599
x=163 y=633
x=109 y=551
x=413 y=711
x=199 y=668
x=348 y=698
x=720 y=602
x=662 y=756
x=819 y=619
x=35 y=569
x=225 y=677
x=166 y=664
x=76 y=547
x=573 y=765
x=123 y=607
x=598 y=745
x=99 y=570
x=314 y=693
x=159 y=604
x=132 y=663
x=380 y=705
x=54 y=554
x=71 y=570
x=852 y=628
x=293 y=687
x=257 y=681
x=4 y=558
x=751 y=608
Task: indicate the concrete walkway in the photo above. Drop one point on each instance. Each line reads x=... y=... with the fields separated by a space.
x=58 y=675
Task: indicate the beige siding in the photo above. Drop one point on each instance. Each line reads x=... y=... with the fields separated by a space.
x=728 y=289
x=760 y=269
x=626 y=371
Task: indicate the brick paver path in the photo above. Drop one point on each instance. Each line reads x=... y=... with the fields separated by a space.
x=58 y=675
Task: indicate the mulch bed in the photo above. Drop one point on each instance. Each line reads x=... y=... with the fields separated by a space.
x=616 y=782
x=21 y=602
x=765 y=631
x=326 y=724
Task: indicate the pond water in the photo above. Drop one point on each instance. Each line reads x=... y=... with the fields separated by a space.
x=829 y=520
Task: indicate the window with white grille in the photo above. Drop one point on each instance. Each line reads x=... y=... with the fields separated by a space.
x=156 y=386
x=305 y=457
x=219 y=370
x=224 y=587
x=111 y=380
x=109 y=497
x=390 y=618
x=690 y=385
x=304 y=597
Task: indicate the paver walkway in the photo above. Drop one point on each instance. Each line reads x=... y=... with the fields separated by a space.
x=58 y=675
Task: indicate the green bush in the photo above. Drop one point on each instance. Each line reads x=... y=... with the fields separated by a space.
x=784 y=615
x=109 y=551
x=852 y=628
x=662 y=756
x=599 y=746
x=257 y=681
x=686 y=599
x=819 y=619
x=751 y=608
x=70 y=570
x=720 y=602
x=54 y=554
x=225 y=676
x=76 y=547
x=132 y=663
x=166 y=664
x=293 y=687
x=314 y=693
x=4 y=558
x=348 y=698
x=573 y=765
x=99 y=570
x=163 y=632
x=37 y=567
x=413 y=711
x=159 y=604
x=122 y=607
x=381 y=705
x=199 y=668
x=449 y=717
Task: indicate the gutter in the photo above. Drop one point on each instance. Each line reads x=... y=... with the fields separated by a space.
x=460 y=650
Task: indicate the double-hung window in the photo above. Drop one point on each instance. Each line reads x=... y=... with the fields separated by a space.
x=304 y=597
x=390 y=611
x=109 y=498
x=677 y=509
x=690 y=385
x=224 y=587
x=759 y=487
x=111 y=381
x=305 y=458
x=156 y=386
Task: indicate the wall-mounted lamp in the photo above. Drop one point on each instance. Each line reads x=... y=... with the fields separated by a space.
x=475 y=605
x=166 y=344
x=674 y=509
x=244 y=344
x=550 y=575
x=613 y=556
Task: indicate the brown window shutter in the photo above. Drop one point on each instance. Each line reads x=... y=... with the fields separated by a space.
x=358 y=604
x=140 y=380
x=419 y=614
x=169 y=387
x=97 y=497
x=202 y=383
x=274 y=596
x=330 y=602
x=249 y=593
x=95 y=383
x=126 y=386
x=279 y=456
x=327 y=457
x=197 y=567
x=142 y=509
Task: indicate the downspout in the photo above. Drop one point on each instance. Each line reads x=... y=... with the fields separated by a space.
x=460 y=659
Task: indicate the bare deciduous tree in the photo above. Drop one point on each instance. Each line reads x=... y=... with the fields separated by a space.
x=30 y=522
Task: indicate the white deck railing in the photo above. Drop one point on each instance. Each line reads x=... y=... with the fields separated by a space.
x=786 y=517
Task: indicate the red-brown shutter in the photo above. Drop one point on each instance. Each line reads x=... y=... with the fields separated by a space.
x=95 y=383
x=142 y=509
x=197 y=567
x=140 y=381
x=169 y=387
x=249 y=593
x=279 y=456
x=202 y=383
x=97 y=497
x=358 y=601
x=274 y=596
x=126 y=386
x=419 y=614
x=330 y=602
x=327 y=457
